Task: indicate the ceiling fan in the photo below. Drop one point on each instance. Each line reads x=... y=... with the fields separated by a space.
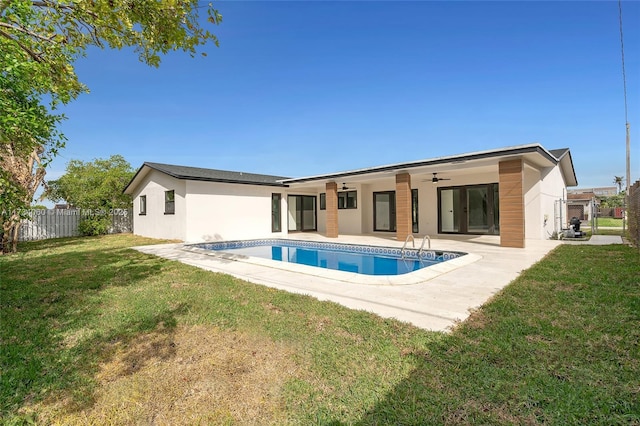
x=345 y=187
x=436 y=179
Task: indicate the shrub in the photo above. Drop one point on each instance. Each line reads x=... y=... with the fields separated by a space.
x=94 y=225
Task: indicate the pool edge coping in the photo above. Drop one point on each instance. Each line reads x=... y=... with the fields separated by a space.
x=411 y=278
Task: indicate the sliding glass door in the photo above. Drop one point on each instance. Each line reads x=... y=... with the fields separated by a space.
x=477 y=210
x=302 y=213
x=469 y=209
x=384 y=211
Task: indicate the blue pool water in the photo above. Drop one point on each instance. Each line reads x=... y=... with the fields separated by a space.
x=362 y=259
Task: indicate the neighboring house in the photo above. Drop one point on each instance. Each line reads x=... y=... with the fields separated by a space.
x=581 y=205
x=511 y=192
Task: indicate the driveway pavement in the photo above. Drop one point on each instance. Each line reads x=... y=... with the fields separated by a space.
x=435 y=303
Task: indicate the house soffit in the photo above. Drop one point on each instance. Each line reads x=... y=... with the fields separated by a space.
x=424 y=172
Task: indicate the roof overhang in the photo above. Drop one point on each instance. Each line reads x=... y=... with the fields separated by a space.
x=146 y=168
x=568 y=172
x=533 y=154
x=136 y=179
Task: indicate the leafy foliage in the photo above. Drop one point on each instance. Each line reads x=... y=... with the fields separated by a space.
x=618 y=181
x=39 y=42
x=28 y=141
x=94 y=225
x=95 y=184
x=613 y=200
x=45 y=37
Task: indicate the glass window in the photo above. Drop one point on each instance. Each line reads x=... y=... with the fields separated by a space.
x=414 y=211
x=384 y=211
x=323 y=201
x=143 y=204
x=169 y=202
x=347 y=200
x=276 y=216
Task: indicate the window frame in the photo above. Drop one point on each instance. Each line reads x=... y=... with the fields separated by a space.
x=170 y=204
x=344 y=197
x=143 y=205
x=323 y=201
x=276 y=212
x=415 y=212
x=392 y=211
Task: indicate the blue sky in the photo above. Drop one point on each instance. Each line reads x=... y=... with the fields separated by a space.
x=302 y=88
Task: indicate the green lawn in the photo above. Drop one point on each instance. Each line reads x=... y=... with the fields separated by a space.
x=609 y=222
x=93 y=332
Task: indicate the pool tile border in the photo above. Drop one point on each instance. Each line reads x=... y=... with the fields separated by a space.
x=410 y=253
x=415 y=277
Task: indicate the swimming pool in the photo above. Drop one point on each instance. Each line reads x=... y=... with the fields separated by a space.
x=361 y=259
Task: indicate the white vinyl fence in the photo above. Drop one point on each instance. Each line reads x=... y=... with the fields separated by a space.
x=42 y=224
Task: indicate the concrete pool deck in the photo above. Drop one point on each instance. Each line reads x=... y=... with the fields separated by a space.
x=437 y=303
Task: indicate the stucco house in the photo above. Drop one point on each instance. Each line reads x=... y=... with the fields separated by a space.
x=510 y=192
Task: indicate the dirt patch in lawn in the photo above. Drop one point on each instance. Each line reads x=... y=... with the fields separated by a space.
x=190 y=375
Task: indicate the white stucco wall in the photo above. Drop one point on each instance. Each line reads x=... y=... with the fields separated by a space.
x=223 y=211
x=350 y=220
x=542 y=188
x=157 y=224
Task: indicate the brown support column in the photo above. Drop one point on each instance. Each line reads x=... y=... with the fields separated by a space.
x=403 y=206
x=332 y=210
x=511 y=181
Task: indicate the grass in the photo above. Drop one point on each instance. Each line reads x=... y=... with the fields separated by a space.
x=96 y=333
x=609 y=222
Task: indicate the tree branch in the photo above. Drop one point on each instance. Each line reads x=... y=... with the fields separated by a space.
x=36 y=57
x=66 y=7
x=28 y=32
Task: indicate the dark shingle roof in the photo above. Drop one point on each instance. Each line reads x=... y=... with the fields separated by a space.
x=559 y=153
x=213 y=175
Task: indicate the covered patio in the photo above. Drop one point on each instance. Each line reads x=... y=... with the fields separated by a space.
x=507 y=192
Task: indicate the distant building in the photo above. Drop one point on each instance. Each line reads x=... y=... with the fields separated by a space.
x=583 y=203
x=605 y=191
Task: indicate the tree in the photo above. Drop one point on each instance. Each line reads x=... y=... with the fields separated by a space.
x=613 y=200
x=28 y=141
x=39 y=42
x=95 y=185
x=47 y=36
x=618 y=180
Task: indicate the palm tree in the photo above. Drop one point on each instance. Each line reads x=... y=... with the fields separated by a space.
x=618 y=181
